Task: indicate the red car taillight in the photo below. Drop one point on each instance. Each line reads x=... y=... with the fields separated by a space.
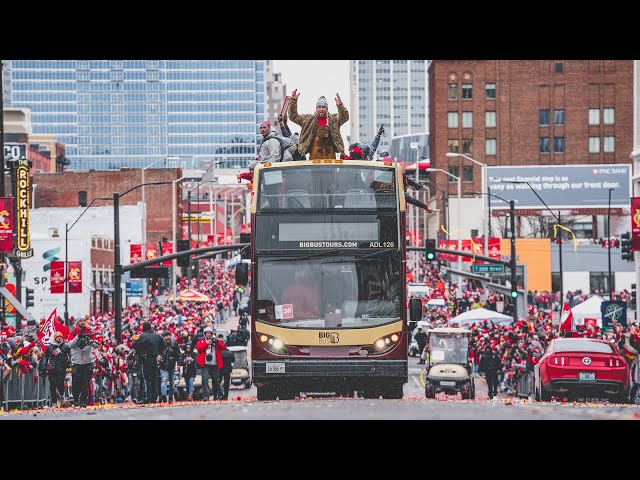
x=560 y=361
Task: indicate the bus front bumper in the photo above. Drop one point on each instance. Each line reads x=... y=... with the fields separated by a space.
x=327 y=370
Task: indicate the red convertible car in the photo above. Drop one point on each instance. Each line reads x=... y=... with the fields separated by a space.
x=582 y=366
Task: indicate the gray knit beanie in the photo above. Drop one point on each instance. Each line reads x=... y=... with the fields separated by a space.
x=322 y=102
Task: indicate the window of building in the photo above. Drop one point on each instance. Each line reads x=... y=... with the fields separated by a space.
x=453 y=146
x=594 y=144
x=582 y=229
x=594 y=116
x=453 y=171
x=489 y=119
x=467 y=174
x=558 y=145
x=453 y=91
x=467 y=91
x=490 y=91
x=544 y=117
x=558 y=68
x=543 y=144
x=453 y=120
x=608 y=115
x=490 y=146
x=82 y=199
x=609 y=144
x=599 y=282
x=558 y=117
x=467 y=119
x=467 y=146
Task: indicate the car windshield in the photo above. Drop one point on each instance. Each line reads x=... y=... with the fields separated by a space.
x=579 y=345
x=345 y=291
x=448 y=348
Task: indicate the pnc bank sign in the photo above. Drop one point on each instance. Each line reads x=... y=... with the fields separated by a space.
x=23 y=206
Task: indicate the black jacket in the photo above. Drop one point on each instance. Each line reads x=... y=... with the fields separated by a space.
x=170 y=356
x=150 y=344
x=61 y=361
x=489 y=363
x=189 y=364
x=227 y=361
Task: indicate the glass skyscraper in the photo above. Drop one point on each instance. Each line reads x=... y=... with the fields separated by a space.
x=389 y=92
x=131 y=113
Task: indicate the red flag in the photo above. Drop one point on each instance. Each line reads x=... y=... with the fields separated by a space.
x=167 y=248
x=57 y=277
x=75 y=277
x=494 y=247
x=466 y=247
x=6 y=224
x=152 y=252
x=566 y=318
x=49 y=328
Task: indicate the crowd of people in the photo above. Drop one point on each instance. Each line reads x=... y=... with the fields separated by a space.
x=86 y=365
x=510 y=350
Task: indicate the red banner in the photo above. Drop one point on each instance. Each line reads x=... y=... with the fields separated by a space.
x=57 y=277
x=75 y=277
x=466 y=247
x=6 y=224
x=167 y=248
x=477 y=247
x=8 y=307
x=494 y=247
x=442 y=244
x=635 y=222
x=453 y=245
x=135 y=253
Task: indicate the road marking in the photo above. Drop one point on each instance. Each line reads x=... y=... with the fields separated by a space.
x=422 y=376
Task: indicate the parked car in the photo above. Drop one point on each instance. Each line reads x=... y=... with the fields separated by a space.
x=582 y=367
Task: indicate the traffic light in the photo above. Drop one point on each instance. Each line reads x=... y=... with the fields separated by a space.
x=632 y=300
x=183 y=245
x=627 y=250
x=29 y=297
x=514 y=291
x=430 y=246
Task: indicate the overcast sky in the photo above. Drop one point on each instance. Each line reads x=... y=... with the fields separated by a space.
x=314 y=78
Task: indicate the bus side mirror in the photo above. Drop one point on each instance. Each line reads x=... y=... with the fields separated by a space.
x=415 y=309
x=242 y=273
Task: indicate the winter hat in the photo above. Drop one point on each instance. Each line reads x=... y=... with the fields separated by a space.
x=266 y=123
x=322 y=102
x=295 y=138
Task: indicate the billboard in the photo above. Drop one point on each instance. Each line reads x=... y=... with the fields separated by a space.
x=560 y=186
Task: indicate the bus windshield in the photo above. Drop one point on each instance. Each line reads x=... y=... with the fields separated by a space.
x=334 y=292
x=327 y=187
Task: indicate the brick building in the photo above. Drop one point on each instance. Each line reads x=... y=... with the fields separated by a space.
x=79 y=188
x=527 y=113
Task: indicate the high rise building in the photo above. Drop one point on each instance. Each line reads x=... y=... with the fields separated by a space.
x=389 y=92
x=131 y=113
x=276 y=91
x=6 y=83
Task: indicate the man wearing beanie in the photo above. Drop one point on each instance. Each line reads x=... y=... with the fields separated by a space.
x=320 y=132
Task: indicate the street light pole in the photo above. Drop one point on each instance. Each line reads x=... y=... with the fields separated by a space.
x=609 y=244
x=512 y=263
x=485 y=205
x=117 y=268
x=459 y=209
x=189 y=237
x=144 y=221
x=175 y=246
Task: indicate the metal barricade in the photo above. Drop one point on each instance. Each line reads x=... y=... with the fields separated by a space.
x=526 y=385
x=22 y=390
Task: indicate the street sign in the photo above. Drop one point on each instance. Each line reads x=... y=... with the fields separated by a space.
x=134 y=289
x=150 y=272
x=487 y=268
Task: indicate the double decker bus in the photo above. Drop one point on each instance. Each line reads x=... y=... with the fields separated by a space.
x=328 y=296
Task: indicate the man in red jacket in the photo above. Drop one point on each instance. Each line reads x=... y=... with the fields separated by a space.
x=210 y=362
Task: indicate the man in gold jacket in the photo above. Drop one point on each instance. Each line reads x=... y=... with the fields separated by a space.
x=320 y=132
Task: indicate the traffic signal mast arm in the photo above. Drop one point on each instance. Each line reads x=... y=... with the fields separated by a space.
x=194 y=251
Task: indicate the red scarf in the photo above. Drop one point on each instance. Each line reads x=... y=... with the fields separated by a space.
x=322 y=121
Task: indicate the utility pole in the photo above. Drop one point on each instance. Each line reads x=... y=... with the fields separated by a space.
x=117 y=268
x=513 y=266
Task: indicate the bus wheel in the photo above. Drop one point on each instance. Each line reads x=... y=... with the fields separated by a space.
x=265 y=393
x=429 y=391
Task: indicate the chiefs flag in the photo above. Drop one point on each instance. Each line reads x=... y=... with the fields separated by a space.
x=167 y=248
x=152 y=252
x=57 y=277
x=6 y=225
x=49 y=328
x=566 y=318
x=466 y=247
x=494 y=247
x=75 y=277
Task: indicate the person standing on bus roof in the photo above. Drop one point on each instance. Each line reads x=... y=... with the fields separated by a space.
x=273 y=147
x=320 y=132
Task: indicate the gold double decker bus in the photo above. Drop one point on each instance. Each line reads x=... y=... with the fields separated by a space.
x=328 y=298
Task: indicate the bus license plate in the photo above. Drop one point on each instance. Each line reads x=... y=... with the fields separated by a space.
x=275 y=367
x=587 y=376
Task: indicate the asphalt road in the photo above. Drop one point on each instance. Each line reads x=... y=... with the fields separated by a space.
x=242 y=405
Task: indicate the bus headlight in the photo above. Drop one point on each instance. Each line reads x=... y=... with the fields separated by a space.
x=273 y=344
x=386 y=343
